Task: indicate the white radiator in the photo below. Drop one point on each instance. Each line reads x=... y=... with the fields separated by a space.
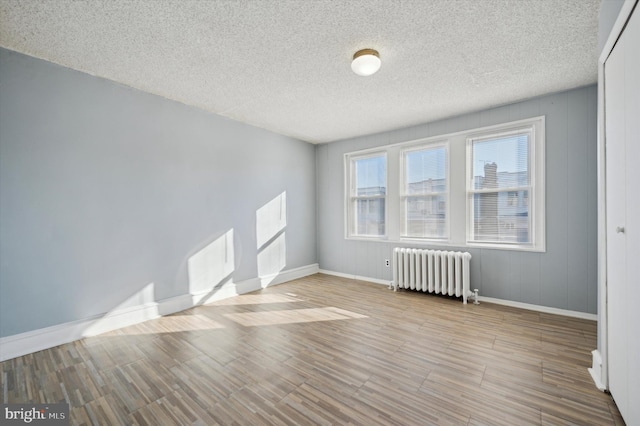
x=433 y=271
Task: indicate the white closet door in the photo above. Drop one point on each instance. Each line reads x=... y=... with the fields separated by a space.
x=622 y=123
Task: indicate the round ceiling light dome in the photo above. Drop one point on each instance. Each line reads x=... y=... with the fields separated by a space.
x=366 y=62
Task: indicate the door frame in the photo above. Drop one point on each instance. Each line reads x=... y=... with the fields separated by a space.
x=599 y=370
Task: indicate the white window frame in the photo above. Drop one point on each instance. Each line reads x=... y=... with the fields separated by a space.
x=351 y=225
x=536 y=200
x=457 y=181
x=404 y=194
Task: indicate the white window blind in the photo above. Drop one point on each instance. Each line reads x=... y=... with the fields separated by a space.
x=500 y=188
x=368 y=190
x=425 y=191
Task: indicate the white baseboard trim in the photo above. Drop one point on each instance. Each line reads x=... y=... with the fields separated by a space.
x=225 y=291
x=539 y=308
x=290 y=275
x=355 y=277
x=254 y=284
x=49 y=337
x=596 y=370
x=43 y=338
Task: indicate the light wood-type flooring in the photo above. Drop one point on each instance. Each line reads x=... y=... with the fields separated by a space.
x=325 y=350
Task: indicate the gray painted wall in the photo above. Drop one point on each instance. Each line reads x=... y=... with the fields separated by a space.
x=609 y=10
x=105 y=190
x=565 y=276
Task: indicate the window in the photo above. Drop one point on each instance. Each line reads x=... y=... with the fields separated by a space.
x=425 y=191
x=500 y=174
x=477 y=188
x=367 y=195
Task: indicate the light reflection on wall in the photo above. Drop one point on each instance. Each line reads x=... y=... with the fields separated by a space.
x=130 y=307
x=212 y=265
x=271 y=222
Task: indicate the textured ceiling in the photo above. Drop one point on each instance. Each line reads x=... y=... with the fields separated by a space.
x=284 y=65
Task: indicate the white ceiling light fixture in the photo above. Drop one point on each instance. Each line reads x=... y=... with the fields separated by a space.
x=366 y=62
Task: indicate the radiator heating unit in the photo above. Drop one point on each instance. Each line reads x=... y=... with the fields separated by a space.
x=433 y=271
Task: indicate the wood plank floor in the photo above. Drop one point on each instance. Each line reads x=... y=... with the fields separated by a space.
x=325 y=350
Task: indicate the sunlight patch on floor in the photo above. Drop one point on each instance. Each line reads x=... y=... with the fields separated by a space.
x=291 y=316
x=255 y=299
x=172 y=324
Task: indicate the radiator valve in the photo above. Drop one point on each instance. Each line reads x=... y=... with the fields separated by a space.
x=475 y=297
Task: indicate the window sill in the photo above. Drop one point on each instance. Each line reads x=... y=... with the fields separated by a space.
x=422 y=243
